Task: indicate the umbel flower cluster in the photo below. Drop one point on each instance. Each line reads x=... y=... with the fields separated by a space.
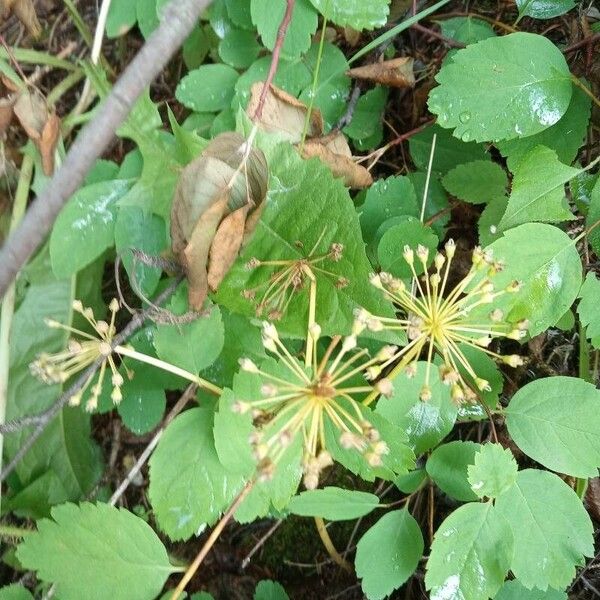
x=309 y=398
x=80 y=353
x=439 y=319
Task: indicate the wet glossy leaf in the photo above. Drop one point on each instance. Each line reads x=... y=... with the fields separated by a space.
x=449 y=152
x=564 y=137
x=425 y=423
x=552 y=530
x=502 y=88
x=207 y=88
x=67 y=549
x=333 y=504
x=194 y=489
x=239 y=48
x=477 y=182
x=142 y=406
x=192 y=346
x=493 y=471
x=367 y=117
x=544 y=9
x=300 y=192
x=461 y=564
x=447 y=466
x=489 y=221
x=269 y=590
x=268 y=14
x=85 y=227
x=388 y=554
x=467 y=30
x=545 y=259
x=589 y=307
x=354 y=13
x=538 y=190
x=514 y=590
x=556 y=421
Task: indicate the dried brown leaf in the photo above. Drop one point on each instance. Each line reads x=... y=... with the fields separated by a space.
x=284 y=114
x=397 y=72
x=6 y=113
x=48 y=142
x=32 y=112
x=592 y=497
x=24 y=10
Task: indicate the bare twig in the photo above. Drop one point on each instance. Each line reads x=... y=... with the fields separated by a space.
x=261 y=542
x=179 y=18
x=44 y=418
x=346 y=118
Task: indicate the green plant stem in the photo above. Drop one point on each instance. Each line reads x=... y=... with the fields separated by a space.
x=79 y=23
x=585 y=90
x=64 y=86
x=24 y=55
x=165 y=366
x=584 y=356
x=14 y=532
x=328 y=543
x=8 y=304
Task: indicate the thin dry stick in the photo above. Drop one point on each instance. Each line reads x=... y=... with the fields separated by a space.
x=44 y=418
x=189 y=393
x=179 y=19
x=214 y=536
x=329 y=546
x=261 y=543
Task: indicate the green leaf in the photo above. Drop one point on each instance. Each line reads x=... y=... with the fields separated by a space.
x=354 y=13
x=514 y=590
x=593 y=218
x=556 y=421
x=147 y=17
x=239 y=48
x=489 y=221
x=97 y=551
x=267 y=16
x=333 y=504
x=538 y=190
x=466 y=30
x=564 y=137
x=551 y=528
x=501 y=88
x=191 y=346
x=195 y=48
x=142 y=406
x=436 y=200
x=121 y=18
x=425 y=423
x=449 y=151
x=239 y=13
x=448 y=465
x=367 y=117
x=85 y=227
x=470 y=555
x=136 y=229
x=546 y=261
x=388 y=554
x=493 y=472
x=208 y=88
x=476 y=182
x=589 y=307
x=269 y=590
x=300 y=192
x=541 y=9
x=15 y=592
x=194 y=489
x=412 y=233
x=412 y=481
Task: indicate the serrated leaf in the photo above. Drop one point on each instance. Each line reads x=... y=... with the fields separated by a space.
x=194 y=489
x=502 y=88
x=269 y=590
x=494 y=470
x=69 y=549
x=192 y=346
x=541 y=9
x=267 y=16
x=546 y=261
x=514 y=590
x=85 y=227
x=447 y=466
x=470 y=555
x=564 y=137
x=388 y=554
x=300 y=192
x=551 y=528
x=333 y=504
x=538 y=190
x=589 y=307
x=476 y=182
x=354 y=13
x=556 y=421
x=425 y=423
x=467 y=30
x=208 y=88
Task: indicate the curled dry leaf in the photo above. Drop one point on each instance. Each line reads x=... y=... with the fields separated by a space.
x=40 y=125
x=335 y=153
x=24 y=10
x=214 y=207
x=592 y=497
x=284 y=114
x=397 y=72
